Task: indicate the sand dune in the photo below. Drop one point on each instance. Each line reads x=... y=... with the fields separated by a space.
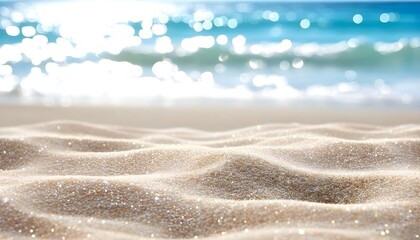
x=73 y=180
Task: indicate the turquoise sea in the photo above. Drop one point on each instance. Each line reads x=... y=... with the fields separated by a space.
x=137 y=52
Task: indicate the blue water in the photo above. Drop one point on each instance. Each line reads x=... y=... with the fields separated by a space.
x=128 y=52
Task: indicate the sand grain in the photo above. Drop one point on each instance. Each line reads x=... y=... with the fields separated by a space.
x=280 y=181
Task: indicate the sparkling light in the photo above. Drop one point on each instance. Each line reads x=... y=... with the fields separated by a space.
x=223 y=57
x=386 y=48
x=159 y=29
x=273 y=16
x=283 y=46
x=222 y=39
x=207 y=25
x=346 y=87
x=305 y=23
x=164 y=45
x=198 y=27
x=28 y=31
x=195 y=43
x=202 y=15
x=238 y=43
x=256 y=63
x=17 y=17
x=353 y=42
x=220 y=21
x=357 y=18
x=12 y=31
x=239 y=40
x=232 y=23
x=146 y=33
x=164 y=69
x=384 y=18
x=297 y=63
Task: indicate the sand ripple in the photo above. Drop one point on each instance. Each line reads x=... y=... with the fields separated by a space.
x=289 y=181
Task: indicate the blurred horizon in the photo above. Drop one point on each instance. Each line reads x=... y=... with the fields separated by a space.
x=273 y=52
x=227 y=1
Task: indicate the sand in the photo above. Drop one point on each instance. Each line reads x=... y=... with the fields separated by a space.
x=79 y=180
x=214 y=117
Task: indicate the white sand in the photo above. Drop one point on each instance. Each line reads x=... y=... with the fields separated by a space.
x=279 y=181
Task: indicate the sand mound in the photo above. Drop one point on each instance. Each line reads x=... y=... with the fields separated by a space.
x=71 y=180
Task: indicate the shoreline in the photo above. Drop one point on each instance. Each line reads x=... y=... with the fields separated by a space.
x=210 y=117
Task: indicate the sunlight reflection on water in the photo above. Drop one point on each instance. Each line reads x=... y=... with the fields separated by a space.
x=238 y=51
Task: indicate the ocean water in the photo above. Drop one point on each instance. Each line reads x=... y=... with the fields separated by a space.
x=131 y=52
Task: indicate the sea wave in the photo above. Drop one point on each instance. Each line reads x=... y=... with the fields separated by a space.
x=404 y=54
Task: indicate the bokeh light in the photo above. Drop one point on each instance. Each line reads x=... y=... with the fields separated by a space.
x=239 y=50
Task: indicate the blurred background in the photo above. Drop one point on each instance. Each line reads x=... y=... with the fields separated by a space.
x=64 y=53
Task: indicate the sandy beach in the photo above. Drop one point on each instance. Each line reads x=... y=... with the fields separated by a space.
x=215 y=174
x=203 y=119
x=209 y=117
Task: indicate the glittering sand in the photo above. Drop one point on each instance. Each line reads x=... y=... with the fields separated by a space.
x=76 y=180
